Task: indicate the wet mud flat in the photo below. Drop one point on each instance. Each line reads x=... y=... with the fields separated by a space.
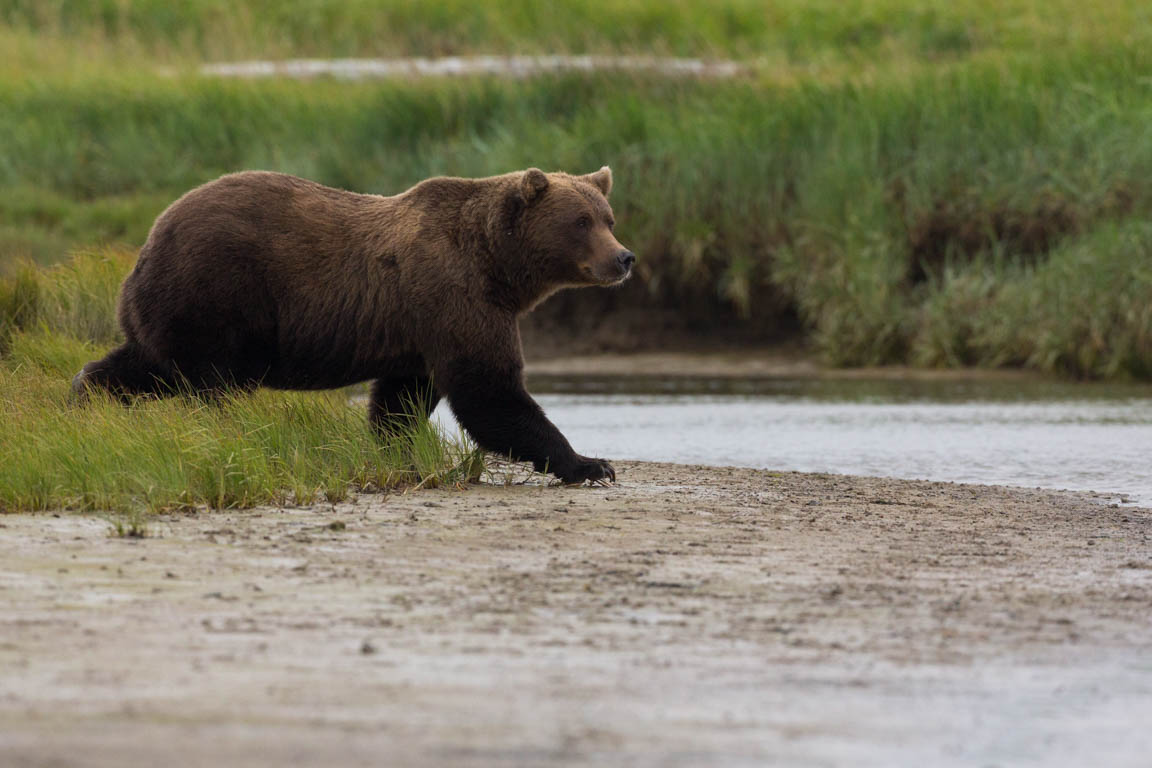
x=687 y=616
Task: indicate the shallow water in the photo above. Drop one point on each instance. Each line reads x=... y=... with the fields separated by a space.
x=1032 y=434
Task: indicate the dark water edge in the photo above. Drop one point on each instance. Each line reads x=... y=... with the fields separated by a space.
x=896 y=390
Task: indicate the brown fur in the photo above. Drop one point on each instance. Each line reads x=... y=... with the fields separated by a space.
x=267 y=279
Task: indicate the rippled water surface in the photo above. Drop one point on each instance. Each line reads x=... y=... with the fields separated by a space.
x=1051 y=435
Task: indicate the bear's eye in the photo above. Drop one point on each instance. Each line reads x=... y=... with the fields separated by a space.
x=611 y=224
x=584 y=222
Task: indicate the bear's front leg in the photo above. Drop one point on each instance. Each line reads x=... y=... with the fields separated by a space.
x=492 y=404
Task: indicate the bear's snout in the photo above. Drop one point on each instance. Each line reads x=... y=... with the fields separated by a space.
x=626 y=259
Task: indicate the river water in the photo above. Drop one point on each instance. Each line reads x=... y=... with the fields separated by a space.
x=1022 y=433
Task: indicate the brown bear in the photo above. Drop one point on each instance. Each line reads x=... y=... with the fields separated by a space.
x=267 y=279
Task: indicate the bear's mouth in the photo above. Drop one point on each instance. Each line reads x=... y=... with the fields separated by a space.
x=618 y=280
x=598 y=279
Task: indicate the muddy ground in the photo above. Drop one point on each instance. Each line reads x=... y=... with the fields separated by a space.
x=689 y=616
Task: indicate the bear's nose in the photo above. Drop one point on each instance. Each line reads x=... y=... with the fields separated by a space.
x=626 y=259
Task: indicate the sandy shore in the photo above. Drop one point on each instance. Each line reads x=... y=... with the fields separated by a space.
x=688 y=616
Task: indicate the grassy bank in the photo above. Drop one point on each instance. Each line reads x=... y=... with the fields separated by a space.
x=809 y=31
x=898 y=202
x=270 y=448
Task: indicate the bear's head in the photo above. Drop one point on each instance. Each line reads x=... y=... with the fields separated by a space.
x=562 y=227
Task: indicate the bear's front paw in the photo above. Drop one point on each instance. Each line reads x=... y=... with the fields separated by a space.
x=593 y=470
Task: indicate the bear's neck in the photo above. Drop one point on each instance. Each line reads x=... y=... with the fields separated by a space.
x=511 y=286
x=511 y=282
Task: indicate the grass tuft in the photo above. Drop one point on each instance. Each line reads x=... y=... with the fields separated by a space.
x=238 y=451
x=129 y=525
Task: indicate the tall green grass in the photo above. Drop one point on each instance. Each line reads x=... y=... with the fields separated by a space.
x=234 y=451
x=1085 y=311
x=864 y=181
x=783 y=30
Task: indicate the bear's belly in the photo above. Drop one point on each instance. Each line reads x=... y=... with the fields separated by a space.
x=328 y=371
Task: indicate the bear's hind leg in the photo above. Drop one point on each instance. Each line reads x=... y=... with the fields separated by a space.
x=123 y=372
x=401 y=403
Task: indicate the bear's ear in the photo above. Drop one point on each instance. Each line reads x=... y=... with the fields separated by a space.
x=602 y=180
x=533 y=184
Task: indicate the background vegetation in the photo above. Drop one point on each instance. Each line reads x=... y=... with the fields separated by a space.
x=780 y=31
x=933 y=183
